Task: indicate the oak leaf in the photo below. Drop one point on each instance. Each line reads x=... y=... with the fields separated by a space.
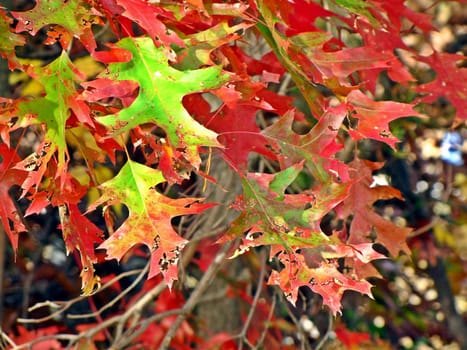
x=149 y=220
x=10 y=176
x=161 y=89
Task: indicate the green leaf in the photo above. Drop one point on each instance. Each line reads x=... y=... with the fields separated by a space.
x=73 y=15
x=359 y=7
x=160 y=96
x=53 y=110
x=283 y=179
x=314 y=147
x=9 y=40
x=274 y=218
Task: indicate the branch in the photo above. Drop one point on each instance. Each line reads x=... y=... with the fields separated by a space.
x=196 y=295
x=328 y=333
x=251 y=313
x=142 y=273
x=69 y=303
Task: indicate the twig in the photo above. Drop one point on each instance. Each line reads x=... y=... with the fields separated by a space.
x=29 y=345
x=136 y=309
x=196 y=295
x=117 y=298
x=128 y=337
x=285 y=84
x=69 y=303
x=304 y=342
x=328 y=333
x=251 y=313
x=425 y=228
x=260 y=342
x=4 y=336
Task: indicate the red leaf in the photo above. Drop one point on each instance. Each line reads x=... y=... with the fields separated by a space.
x=147 y=16
x=346 y=61
x=351 y=340
x=10 y=176
x=359 y=204
x=81 y=234
x=149 y=221
x=324 y=279
x=25 y=336
x=374 y=117
x=303 y=15
x=449 y=82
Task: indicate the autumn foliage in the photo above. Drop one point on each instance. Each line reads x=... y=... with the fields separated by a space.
x=172 y=89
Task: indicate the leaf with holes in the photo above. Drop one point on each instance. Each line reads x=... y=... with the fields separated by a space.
x=359 y=204
x=9 y=40
x=268 y=216
x=149 y=220
x=53 y=110
x=374 y=117
x=81 y=234
x=324 y=279
x=73 y=15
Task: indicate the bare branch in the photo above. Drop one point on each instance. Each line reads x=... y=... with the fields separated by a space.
x=196 y=295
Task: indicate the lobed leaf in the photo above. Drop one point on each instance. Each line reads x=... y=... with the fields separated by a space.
x=161 y=89
x=149 y=220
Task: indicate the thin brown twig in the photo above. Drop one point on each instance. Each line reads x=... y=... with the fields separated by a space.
x=134 y=332
x=136 y=309
x=254 y=304
x=196 y=295
x=304 y=343
x=260 y=342
x=29 y=345
x=69 y=303
x=116 y=299
x=328 y=333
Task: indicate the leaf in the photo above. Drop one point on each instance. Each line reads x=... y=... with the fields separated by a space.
x=53 y=110
x=360 y=7
x=9 y=176
x=449 y=82
x=302 y=17
x=374 y=117
x=237 y=128
x=9 y=41
x=73 y=15
x=81 y=234
x=303 y=74
x=315 y=147
x=160 y=95
x=352 y=340
x=344 y=62
x=149 y=220
x=323 y=279
x=359 y=205
x=270 y=217
x=147 y=15
x=199 y=46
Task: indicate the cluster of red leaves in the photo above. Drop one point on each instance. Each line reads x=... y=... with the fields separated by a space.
x=153 y=87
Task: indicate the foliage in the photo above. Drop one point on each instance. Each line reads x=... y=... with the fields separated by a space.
x=178 y=84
